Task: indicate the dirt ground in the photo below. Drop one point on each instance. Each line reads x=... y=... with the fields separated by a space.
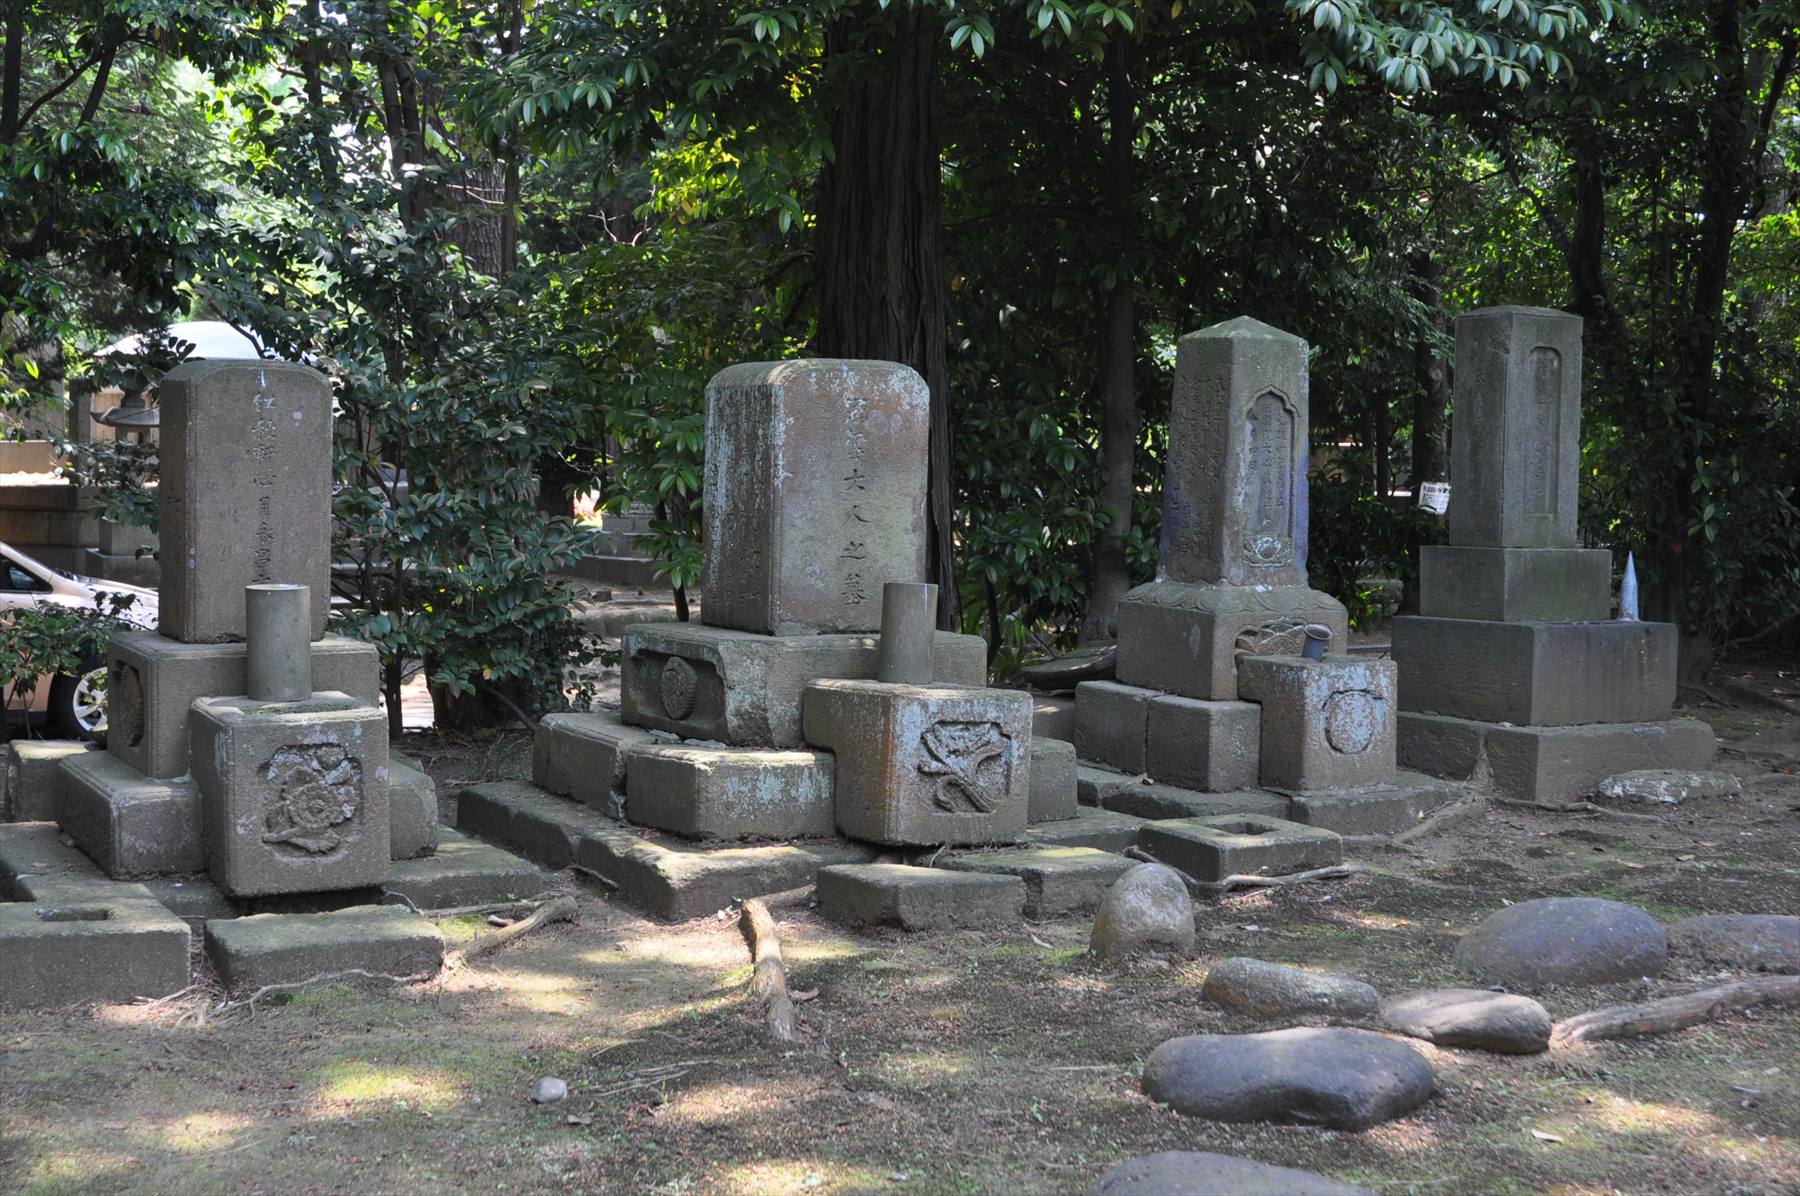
x=1003 y=1061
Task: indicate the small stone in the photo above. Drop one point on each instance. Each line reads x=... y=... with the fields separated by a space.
x=1754 y=942
x=1201 y=1173
x=1057 y=673
x=1270 y=990
x=1148 y=906
x=1563 y=941
x=1338 y=1078
x=1474 y=1018
x=548 y=1090
x=1668 y=786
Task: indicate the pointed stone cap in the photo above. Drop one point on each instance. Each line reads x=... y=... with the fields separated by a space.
x=1245 y=327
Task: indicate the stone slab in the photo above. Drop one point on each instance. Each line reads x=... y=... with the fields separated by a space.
x=244 y=491
x=93 y=948
x=1102 y=830
x=38 y=863
x=264 y=949
x=540 y=826
x=814 y=495
x=464 y=872
x=925 y=764
x=1382 y=810
x=730 y=793
x=1326 y=724
x=1058 y=880
x=412 y=810
x=744 y=689
x=1112 y=723
x=33 y=781
x=1053 y=786
x=1551 y=763
x=676 y=880
x=918 y=898
x=1053 y=716
x=153 y=680
x=582 y=754
x=1536 y=674
x=1187 y=639
x=1169 y=801
x=1093 y=782
x=1197 y=744
x=1515 y=585
x=1211 y=849
x=130 y=824
x=293 y=795
x=193 y=897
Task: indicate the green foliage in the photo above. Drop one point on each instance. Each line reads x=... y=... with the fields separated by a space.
x=50 y=639
x=1355 y=535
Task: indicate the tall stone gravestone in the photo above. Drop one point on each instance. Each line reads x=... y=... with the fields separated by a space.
x=1513 y=653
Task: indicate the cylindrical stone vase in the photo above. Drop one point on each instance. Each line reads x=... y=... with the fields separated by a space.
x=908 y=627
x=1318 y=641
x=278 y=642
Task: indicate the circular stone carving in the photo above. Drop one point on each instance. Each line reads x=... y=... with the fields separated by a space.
x=1351 y=719
x=680 y=686
x=125 y=704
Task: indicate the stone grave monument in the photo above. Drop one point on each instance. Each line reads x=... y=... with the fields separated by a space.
x=1514 y=656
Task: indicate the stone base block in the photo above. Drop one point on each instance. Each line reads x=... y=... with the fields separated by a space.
x=126 y=568
x=293 y=795
x=1326 y=724
x=32 y=787
x=918 y=898
x=262 y=949
x=582 y=755
x=152 y=681
x=1381 y=810
x=730 y=793
x=1551 y=763
x=1053 y=716
x=412 y=811
x=1197 y=744
x=1112 y=725
x=1053 y=793
x=193 y=897
x=1536 y=674
x=675 y=881
x=1168 y=801
x=131 y=824
x=464 y=872
x=1185 y=639
x=741 y=688
x=543 y=828
x=1515 y=585
x=1240 y=844
x=1058 y=880
x=1093 y=782
x=925 y=764
x=1102 y=830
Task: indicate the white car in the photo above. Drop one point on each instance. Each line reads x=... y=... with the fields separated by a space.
x=71 y=706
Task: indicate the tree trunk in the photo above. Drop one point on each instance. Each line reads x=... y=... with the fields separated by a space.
x=1119 y=420
x=878 y=257
x=1431 y=399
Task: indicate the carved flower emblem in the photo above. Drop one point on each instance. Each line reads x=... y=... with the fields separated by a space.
x=969 y=760
x=318 y=788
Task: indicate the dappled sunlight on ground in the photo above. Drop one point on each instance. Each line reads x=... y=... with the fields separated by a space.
x=196 y=1133
x=354 y=1083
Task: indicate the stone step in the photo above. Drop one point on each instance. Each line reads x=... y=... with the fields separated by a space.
x=674 y=880
x=130 y=824
x=1103 y=830
x=31 y=788
x=540 y=826
x=1058 y=880
x=582 y=754
x=730 y=793
x=1147 y=800
x=1093 y=782
x=1383 y=810
x=264 y=949
x=918 y=898
x=1550 y=763
x=464 y=872
x=1211 y=849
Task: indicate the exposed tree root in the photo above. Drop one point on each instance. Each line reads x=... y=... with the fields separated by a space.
x=563 y=909
x=1675 y=1013
x=768 y=978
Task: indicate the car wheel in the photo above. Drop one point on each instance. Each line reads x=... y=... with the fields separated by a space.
x=78 y=704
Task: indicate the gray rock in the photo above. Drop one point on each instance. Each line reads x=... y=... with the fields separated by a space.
x=1563 y=941
x=1476 y=1018
x=1341 y=1079
x=1668 y=786
x=1755 y=942
x=548 y=1090
x=1146 y=907
x=1201 y=1173
x=1268 y=990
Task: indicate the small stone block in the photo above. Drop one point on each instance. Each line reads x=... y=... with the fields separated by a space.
x=1515 y=585
x=542 y=827
x=675 y=881
x=1167 y=801
x=264 y=949
x=1197 y=744
x=412 y=811
x=925 y=764
x=192 y=897
x=1112 y=724
x=1093 y=782
x=730 y=793
x=1053 y=716
x=1102 y=830
x=1188 y=639
x=1211 y=849
x=1058 y=880
x=918 y=898
x=33 y=785
x=1382 y=810
x=92 y=948
x=1551 y=763
x=1053 y=795
x=582 y=755
x=294 y=795
x=464 y=872
x=131 y=824
x=1326 y=724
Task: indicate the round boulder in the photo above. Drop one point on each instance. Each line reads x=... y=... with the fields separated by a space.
x=1201 y=1173
x=1337 y=1078
x=1563 y=941
x=1752 y=942
x=1267 y=990
x=1147 y=906
x=1476 y=1018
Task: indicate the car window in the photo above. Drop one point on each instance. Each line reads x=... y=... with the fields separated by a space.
x=17 y=580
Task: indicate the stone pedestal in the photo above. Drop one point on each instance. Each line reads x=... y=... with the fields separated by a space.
x=1187 y=639
x=729 y=793
x=1514 y=585
x=1326 y=724
x=128 y=823
x=1550 y=763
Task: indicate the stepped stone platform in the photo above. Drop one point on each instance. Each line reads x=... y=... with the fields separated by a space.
x=1058 y=880
x=264 y=949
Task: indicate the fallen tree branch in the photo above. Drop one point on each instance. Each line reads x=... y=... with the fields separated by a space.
x=457 y=911
x=1675 y=1013
x=563 y=909
x=768 y=977
x=1755 y=696
x=1573 y=807
x=1456 y=811
x=269 y=990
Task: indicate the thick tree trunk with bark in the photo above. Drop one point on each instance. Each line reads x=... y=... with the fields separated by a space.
x=878 y=259
x=1431 y=375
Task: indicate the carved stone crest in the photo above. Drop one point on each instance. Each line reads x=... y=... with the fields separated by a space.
x=970 y=763
x=318 y=788
x=1277 y=637
x=1352 y=717
x=125 y=704
x=680 y=687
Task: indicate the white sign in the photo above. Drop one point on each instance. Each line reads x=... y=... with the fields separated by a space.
x=1435 y=497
